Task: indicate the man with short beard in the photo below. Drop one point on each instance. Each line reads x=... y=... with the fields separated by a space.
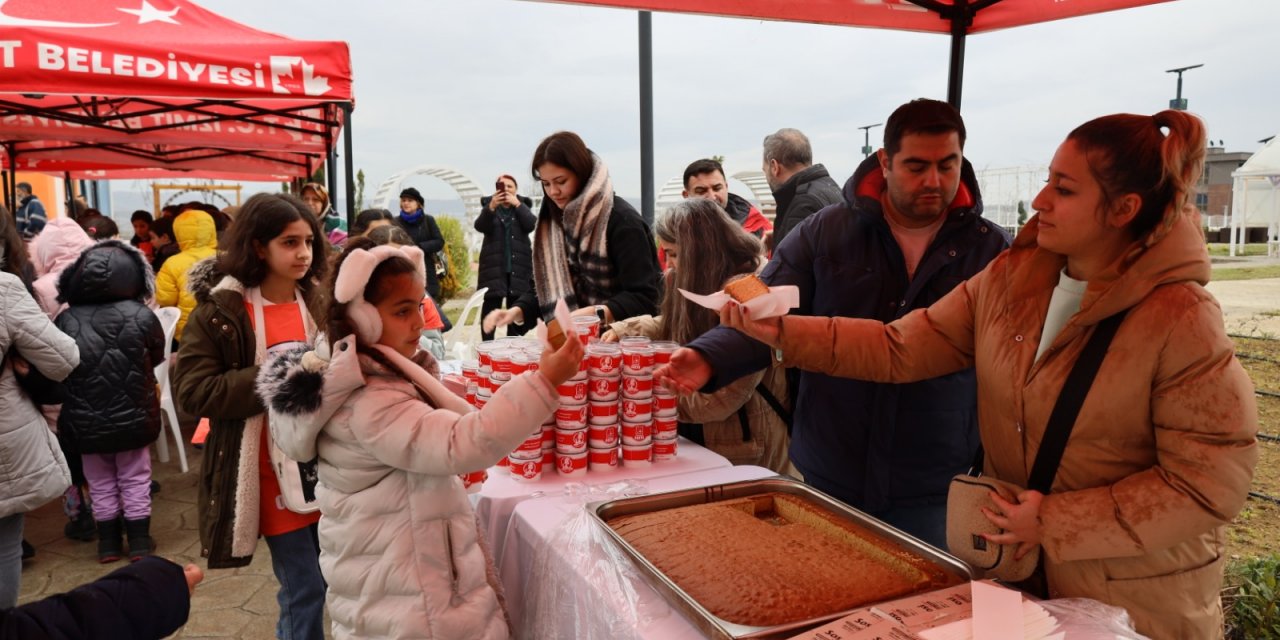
x=908 y=231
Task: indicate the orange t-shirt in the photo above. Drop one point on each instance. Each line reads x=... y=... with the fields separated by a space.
x=285 y=330
x=430 y=315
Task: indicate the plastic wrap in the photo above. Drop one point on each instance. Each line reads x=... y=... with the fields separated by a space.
x=1086 y=619
x=561 y=608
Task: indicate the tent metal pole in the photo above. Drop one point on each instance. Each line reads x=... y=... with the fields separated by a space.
x=348 y=163
x=11 y=189
x=646 y=117
x=960 y=20
x=331 y=161
x=71 y=196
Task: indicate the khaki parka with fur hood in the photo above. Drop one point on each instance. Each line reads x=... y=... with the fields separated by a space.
x=1163 y=450
x=214 y=378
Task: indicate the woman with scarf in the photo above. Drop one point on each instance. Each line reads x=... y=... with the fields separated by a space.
x=317 y=199
x=590 y=247
x=425 y=233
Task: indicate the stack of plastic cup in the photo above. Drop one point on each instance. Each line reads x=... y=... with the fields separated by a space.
x=664 y=407
x=604 y=385
x=637 y=401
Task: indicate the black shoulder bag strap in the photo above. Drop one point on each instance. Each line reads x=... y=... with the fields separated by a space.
x=1070 y=399
x=773 y=403
x=1063 y=418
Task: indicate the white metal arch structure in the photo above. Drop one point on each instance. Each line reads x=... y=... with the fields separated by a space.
x=760 y=191
x=759 y=186
x=388 y=194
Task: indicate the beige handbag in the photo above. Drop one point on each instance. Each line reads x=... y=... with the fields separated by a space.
x=970 y=492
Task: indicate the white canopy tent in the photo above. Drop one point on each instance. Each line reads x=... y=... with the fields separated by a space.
x=1255 y=197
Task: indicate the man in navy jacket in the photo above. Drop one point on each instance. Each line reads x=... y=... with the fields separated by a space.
x=908 y=231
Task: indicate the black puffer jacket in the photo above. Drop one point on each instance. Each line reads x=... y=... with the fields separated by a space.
x=506 y=225
x=111 y=403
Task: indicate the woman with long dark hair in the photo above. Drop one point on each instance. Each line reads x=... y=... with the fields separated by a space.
x=705 y=249
x=590 y=247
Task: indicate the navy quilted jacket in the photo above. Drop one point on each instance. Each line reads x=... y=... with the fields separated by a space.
x=111 y=402
x=874 y=446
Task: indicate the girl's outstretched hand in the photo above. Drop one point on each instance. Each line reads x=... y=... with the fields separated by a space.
x=768 y=331
x=558 y=365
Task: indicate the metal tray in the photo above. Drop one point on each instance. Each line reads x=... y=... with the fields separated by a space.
x=714 y=626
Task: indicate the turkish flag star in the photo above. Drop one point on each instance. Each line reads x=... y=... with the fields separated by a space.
x=148 y=13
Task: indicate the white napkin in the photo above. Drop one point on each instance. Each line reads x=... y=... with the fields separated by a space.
x=565 y=321
x=777 y=302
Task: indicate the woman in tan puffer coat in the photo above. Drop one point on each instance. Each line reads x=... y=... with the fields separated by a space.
x=1164 y=447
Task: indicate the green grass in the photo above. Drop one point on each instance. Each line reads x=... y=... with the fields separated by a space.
x=1252 y=273
x=1221 y=249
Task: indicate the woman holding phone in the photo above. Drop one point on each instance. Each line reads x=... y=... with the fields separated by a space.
x=506 y=256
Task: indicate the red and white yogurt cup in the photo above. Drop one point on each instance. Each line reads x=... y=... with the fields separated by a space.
x=637 y=386
x=548 y=458
x=604 y=389
x=572 y=416
x=602 y=412
x=587 y=324
x=636 y=409
x=532 y=444
x=572 y=464
x=573 y=391
x=571 y=441
x=522 y=362
x=481 y=400
x=526 y=470
x=473 y=481
x=501 y=359
x=483 y=353
x=548 y=436
x=471 y=369
x=497 y=379
x=664 y=449
x=662 y=350
x=471 y=392
x=664 y=427
x=636 y=433
x=637 y=455
x=666 y=406
x=601 y=436
x=603 y=459
x=604 y=359
x=637 y=359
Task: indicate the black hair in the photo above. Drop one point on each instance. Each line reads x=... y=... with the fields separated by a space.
x=699 y=167
x=921 y=115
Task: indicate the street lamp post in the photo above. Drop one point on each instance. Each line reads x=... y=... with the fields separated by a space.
x=866 y=138
x=1179 y=103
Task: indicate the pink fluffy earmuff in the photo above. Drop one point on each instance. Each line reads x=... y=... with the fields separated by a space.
x=353 y=276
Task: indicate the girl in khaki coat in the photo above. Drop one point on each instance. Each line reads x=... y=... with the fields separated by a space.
x=704 y=249
x=1163 y=450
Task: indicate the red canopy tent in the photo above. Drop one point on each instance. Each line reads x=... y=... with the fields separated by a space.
x=164 y=88
x=956 y=17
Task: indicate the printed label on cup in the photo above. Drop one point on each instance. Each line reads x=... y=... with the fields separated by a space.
x=603 y=458
x=640 y=386
x=603 y=389
x=637 y=409
x=569 y=464
x=602 y=435
x=571 y=441
x=603 y=412
x=573 y=392
x=572 y=416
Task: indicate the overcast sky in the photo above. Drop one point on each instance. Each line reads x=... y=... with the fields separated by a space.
x=475 y=84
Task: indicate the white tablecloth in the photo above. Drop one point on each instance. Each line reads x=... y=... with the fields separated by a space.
x=500 y=493
x=535 y=521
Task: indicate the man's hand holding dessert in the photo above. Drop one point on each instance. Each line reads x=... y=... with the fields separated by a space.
x=737 y=316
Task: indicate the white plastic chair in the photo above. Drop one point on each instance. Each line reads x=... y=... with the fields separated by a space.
x=169 y=322
x=466 y=332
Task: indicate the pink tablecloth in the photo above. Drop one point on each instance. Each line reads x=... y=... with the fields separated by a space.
x=535 y=521
x=500 y=494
